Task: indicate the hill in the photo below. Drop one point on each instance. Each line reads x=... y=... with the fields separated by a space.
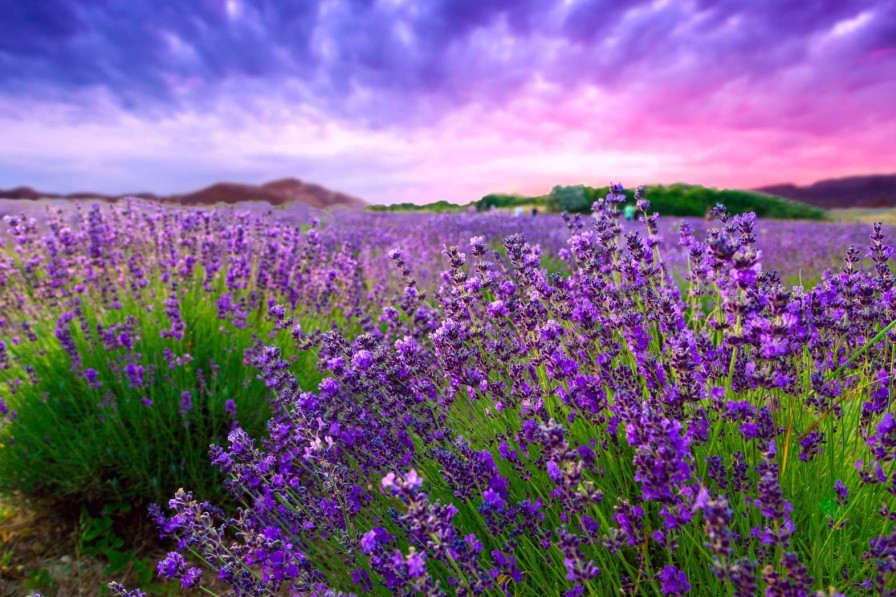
x=21 y=193
x=277 y=192
x=292 y=189
x=877 y=190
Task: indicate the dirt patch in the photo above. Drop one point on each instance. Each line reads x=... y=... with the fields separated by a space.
x=44 y=550
x=38 y=553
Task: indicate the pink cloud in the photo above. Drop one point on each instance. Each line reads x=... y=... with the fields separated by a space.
x=402 y=101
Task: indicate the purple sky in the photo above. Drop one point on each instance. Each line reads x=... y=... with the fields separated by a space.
x=397 y=100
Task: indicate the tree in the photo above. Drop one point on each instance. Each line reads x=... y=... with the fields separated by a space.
x=574 y=199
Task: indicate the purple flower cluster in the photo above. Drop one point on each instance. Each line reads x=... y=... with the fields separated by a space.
x=602 y=426
x=620 y=407
x=564 y=419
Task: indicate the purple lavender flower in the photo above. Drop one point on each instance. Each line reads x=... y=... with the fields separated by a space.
x=91 y=375
x=172 y=566
x=186 y=403
x=135 y=374
x=842 y=492
x=119 y=591
x=673 y=581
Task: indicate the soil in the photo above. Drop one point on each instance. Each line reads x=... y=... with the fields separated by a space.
x=42 y=551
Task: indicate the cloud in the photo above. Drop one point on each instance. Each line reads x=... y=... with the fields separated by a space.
x=394 y=97
x=184 y=52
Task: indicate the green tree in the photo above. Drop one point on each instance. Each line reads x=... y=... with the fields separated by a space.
x=570 y=198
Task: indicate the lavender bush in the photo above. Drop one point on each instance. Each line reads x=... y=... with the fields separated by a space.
x=630 y=410
x=125 y=340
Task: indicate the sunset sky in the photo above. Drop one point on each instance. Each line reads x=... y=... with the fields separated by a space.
x=397 y=100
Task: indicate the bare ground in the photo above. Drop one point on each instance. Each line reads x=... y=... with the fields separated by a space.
x=42 y=551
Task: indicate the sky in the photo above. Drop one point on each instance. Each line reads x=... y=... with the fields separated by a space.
x=396 y=100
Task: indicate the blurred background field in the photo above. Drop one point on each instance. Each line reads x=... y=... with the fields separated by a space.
x=887 y=215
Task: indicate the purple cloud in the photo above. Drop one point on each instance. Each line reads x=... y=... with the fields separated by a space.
x=662 y=77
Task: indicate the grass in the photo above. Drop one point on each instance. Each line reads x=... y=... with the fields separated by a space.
x=104 y=444
x=865 y=215
x=111 y=442
x=91 y=449
x=102 y=447
x=829 y=537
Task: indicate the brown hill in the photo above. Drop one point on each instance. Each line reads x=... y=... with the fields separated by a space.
x=293 y=189
x=278 y=192
x=21 y=193
x=225 y=192
x=877 y=190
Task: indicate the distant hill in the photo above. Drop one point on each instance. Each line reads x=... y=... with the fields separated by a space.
x=277 y=192
x=877 y=190
x=21 y=193
x=292 y=189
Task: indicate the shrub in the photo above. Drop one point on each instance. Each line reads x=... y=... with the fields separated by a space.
x=580 y=434
x=510 y=430
x=128 y=344
x=687 y=200
x=572 y=199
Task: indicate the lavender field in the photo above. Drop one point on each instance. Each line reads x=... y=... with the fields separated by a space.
x=332 y=403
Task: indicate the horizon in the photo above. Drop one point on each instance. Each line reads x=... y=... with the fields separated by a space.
x=395 y=101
